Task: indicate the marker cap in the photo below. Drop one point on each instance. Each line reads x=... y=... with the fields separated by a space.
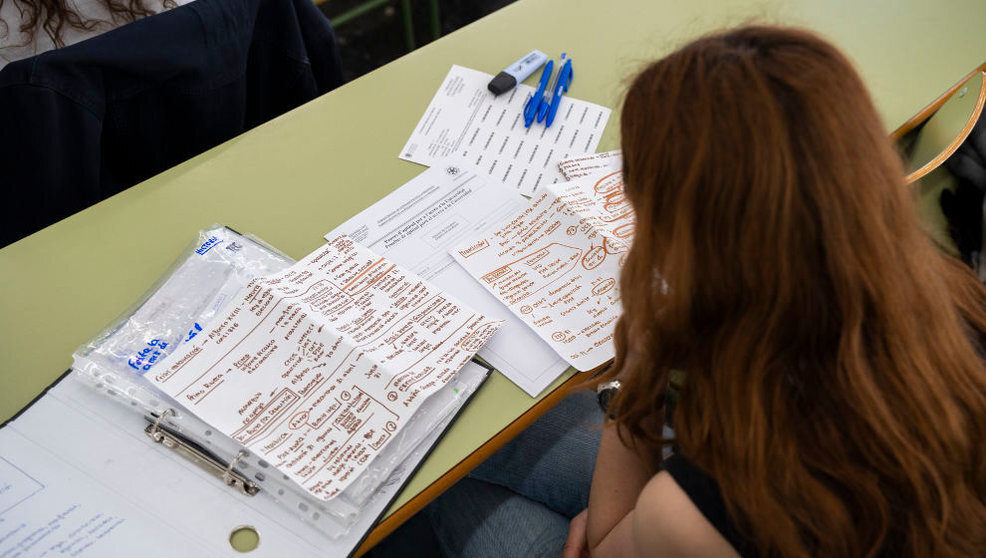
x=502 y=83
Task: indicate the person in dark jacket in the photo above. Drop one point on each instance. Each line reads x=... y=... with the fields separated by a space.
x=84 y=122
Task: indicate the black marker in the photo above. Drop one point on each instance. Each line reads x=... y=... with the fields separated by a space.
x=517 y=72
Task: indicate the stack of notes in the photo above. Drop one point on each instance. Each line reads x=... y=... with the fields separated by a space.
x=317 y=367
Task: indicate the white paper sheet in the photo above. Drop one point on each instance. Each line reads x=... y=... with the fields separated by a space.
x=86 y=481
x=588 y=165
x=465 y=119
x=556 y=264
x=317 y=367
x=418 y=223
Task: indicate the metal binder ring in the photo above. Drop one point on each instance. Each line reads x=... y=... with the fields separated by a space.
x=228 y=477
x=157 y=423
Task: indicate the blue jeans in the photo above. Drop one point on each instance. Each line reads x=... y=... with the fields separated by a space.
x=519 y=501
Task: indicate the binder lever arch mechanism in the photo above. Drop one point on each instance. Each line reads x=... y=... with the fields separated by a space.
x=201 y=456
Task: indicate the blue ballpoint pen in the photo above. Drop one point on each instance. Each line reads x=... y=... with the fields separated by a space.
x=531 y=109
x=546 y=99
x=564 y=81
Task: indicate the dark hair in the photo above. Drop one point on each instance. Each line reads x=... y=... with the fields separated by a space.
x=51 y=16
x=835 y=384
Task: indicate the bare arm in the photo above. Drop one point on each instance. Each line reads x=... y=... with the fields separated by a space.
x=636 y=511
x=620 y=475
x=666 y=523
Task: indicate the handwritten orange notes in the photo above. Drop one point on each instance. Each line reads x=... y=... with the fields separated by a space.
x=556 y=265
x=317 y=367
x=591 y=163
x=600 y=200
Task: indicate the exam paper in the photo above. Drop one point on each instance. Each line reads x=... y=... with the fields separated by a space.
x=464 y=118
x=556 y=265
x=318 y=366
x=417 y=224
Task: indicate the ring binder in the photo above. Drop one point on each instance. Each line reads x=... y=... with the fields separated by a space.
x=192 y=293
x=201 y=456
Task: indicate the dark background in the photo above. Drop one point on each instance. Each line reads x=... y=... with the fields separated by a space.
x=377 y=36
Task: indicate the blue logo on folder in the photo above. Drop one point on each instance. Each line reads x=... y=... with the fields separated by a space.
x=207 y=245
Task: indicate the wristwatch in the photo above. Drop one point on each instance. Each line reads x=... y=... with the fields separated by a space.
x=605 y=392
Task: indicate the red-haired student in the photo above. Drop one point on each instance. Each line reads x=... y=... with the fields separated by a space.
x=823 y=359
x=834 y=392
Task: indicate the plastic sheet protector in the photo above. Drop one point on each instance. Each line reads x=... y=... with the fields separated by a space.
x=318 y=367
x=465 y=119
x=556 y=264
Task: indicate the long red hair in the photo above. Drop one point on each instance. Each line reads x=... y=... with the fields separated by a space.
x=835 y=382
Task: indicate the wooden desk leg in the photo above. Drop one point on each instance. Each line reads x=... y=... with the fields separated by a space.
x=414 y=505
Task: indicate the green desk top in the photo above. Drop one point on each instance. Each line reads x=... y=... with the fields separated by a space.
x=297 y=177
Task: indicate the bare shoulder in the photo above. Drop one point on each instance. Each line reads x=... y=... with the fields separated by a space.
x=667 y=523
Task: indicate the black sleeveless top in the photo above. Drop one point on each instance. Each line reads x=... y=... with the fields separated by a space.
x=704 y=493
